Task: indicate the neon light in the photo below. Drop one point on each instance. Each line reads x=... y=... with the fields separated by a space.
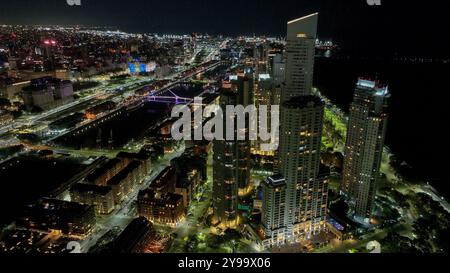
x=132 y=68
x=366 y=83
x=302 y=18
x=142 y=67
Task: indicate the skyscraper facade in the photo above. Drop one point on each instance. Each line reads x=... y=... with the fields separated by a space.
x=301 y=121
x=300 y=51
x=276 y=67
x=364 y=146
x=265 y=95
x=273 y=211
x=225 y=179
x=243 y=87
x=231 y=171
x=299 y=163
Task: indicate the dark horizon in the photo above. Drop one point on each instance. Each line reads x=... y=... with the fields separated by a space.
x=395 y=27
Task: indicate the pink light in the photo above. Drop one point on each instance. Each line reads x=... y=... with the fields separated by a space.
x=50 y=42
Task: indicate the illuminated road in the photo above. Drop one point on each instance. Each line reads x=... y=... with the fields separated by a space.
x=126 y=212
x=28 y=121
x=197 y=210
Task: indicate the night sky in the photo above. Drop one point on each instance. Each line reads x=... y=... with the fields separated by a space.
x=409 y=27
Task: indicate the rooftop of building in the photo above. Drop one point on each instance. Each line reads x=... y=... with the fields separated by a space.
x=188 y=160
x=54 y=206
x=97 y=173
x=132 y=235
x=303 y=27
x=276 y=180
x=161 y=179
x=373 y=85
x=117 y=179
x=84 y=188
x=303 y=102
x=43 y=82
x=160 y=198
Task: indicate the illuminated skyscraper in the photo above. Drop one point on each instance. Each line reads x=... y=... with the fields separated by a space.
x=300 y=51
x=300 y=142
x=243 y=86
x=364 y=148
x=299 y=155
x=276 y=67
x=273 y=212
x=231 y=169
x=265 y=95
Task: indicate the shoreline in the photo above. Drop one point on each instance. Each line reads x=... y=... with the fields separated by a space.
x=417 y=185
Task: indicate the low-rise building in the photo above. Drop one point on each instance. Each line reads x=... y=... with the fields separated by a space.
x=191 y=172
x=163 y=208
x=165 y=182
x=145 y=158
x=101 y=197
x=124 y=182
x=70 y=218
x=135 y=238
x=101 y=175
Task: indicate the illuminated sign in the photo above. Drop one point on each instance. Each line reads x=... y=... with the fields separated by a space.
x=264 y=77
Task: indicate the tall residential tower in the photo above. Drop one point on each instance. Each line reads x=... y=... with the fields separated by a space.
x=364 y=147
x=305 y=193
x=231 y=171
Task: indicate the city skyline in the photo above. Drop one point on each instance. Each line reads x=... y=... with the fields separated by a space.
x=355 y=24
x=113 y=142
